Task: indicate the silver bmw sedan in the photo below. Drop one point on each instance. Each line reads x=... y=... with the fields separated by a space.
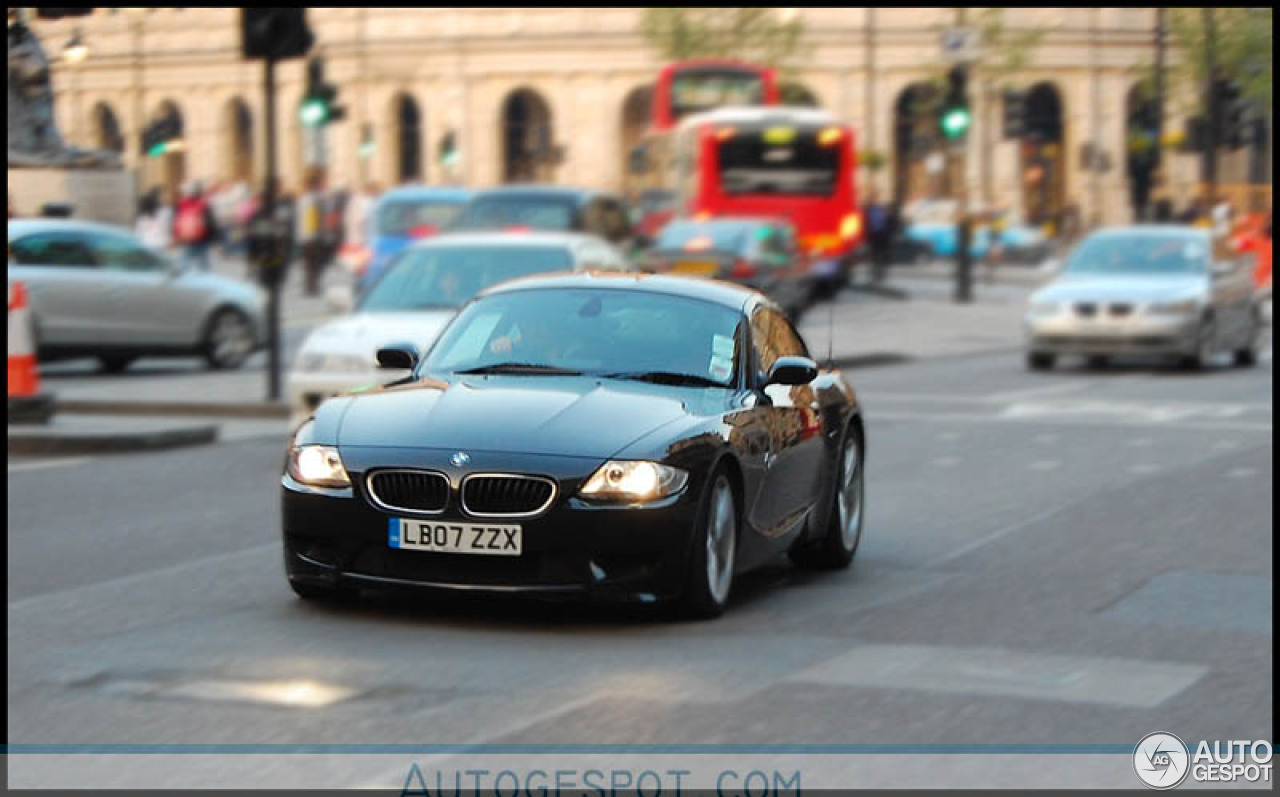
x=1159 y=291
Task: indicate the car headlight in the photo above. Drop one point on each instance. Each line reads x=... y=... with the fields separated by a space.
x=1184 y=307
x=634 y=482
x=317 y=466
x=334 y=363
x=1044 y=309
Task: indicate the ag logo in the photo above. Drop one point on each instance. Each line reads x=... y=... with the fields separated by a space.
x=1161 y=760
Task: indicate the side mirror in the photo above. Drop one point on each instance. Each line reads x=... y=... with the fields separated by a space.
x=398 y=357
x=792 y=371
x=340 y=298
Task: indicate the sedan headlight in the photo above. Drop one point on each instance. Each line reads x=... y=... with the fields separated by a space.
x=334 y=363
x=318 y=466
x=1184 y=307
x=634 y=482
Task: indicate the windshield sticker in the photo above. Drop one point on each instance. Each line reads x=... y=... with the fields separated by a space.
x=722 y=347
x=721 y=368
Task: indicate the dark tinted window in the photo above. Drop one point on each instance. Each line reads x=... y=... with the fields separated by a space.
x=772 y=336
x=52 y=249
x=438 y=277
x=701 y=88
x=778 y=160
x=535 y=212
x=120 y=252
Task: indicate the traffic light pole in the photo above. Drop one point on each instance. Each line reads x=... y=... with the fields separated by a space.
x=277 y=246
x=964 y=264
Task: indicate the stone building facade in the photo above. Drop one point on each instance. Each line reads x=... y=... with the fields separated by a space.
x=408 y=77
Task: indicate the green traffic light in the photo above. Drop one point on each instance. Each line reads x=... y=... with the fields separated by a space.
x=313 y=113
x=157 y=149
x=955 y=122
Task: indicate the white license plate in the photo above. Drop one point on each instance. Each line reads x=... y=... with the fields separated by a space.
x=444 y=537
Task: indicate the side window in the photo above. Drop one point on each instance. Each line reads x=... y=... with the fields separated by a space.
x=772 y=336
x=118 y=252
x=52 y=249
x=593 y=218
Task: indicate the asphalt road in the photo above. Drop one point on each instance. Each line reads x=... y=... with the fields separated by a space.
x=1075 y=557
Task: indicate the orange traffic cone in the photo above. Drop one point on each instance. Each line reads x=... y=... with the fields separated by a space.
x=24 y=378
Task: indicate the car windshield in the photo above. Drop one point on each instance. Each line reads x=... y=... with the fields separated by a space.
x=695 y=236
x=1139 y=255
x=416 y=217
x=606 y=333
x=533 y=212
x=448 y=277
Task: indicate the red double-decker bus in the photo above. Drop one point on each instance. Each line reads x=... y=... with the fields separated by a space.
x=687 y=87
x=778 y=162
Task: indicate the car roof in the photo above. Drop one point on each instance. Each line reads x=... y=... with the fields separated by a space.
x=580 y=195
x=725 y=294
x=426 y=192
x=513 y=239
x=18 y=227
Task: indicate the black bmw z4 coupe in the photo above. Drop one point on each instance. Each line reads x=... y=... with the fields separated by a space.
x=631 y=437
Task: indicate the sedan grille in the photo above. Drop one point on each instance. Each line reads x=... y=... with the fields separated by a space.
x=409 y=490
x=507 y=496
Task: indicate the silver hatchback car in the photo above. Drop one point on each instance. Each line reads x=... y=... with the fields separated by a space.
x=1163 y=291
x=97 y=291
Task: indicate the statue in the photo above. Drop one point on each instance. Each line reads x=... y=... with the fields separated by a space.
x=34 y=140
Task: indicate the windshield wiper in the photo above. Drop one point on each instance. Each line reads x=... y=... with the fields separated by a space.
x=519 y=369
x=665 y=378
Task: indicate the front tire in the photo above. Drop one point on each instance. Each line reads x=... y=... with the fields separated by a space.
x=838 y=544
x=1200 y=359
x=228 y=341
x=1247 y=357
x=715 y=545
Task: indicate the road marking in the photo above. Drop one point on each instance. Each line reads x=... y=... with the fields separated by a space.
x=946 y=462
x=1007 y=673
x=1047 y=464
x=948 y=437
x=1241 y=473
x=48 y=463
x=1143 y=468
x=1226 y=444
x=1045 y=439
x=1035 y=392
x=1141 y=442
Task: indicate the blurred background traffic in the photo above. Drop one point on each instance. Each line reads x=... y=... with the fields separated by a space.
x=219 y=215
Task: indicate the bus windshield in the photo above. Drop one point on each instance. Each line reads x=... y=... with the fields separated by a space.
x=780 y=160
x=696 y=90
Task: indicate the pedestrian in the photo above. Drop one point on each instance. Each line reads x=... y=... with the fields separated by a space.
x=310 y=217
x=1221 y=217
x=881 y=220
x=997 y=226
x=154 y=223
x=194 y=227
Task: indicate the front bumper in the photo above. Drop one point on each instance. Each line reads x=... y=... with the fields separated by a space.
x=1139 y=334
x=573 y=548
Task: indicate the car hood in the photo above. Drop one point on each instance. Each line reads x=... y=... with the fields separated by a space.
x=365 y=333
x=556 y=416
x=1121 y=289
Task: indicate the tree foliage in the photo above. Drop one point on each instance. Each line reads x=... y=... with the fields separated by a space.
x=1242 y=51
x=756 y=35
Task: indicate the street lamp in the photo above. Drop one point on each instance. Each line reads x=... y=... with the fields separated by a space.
x=75 y=50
